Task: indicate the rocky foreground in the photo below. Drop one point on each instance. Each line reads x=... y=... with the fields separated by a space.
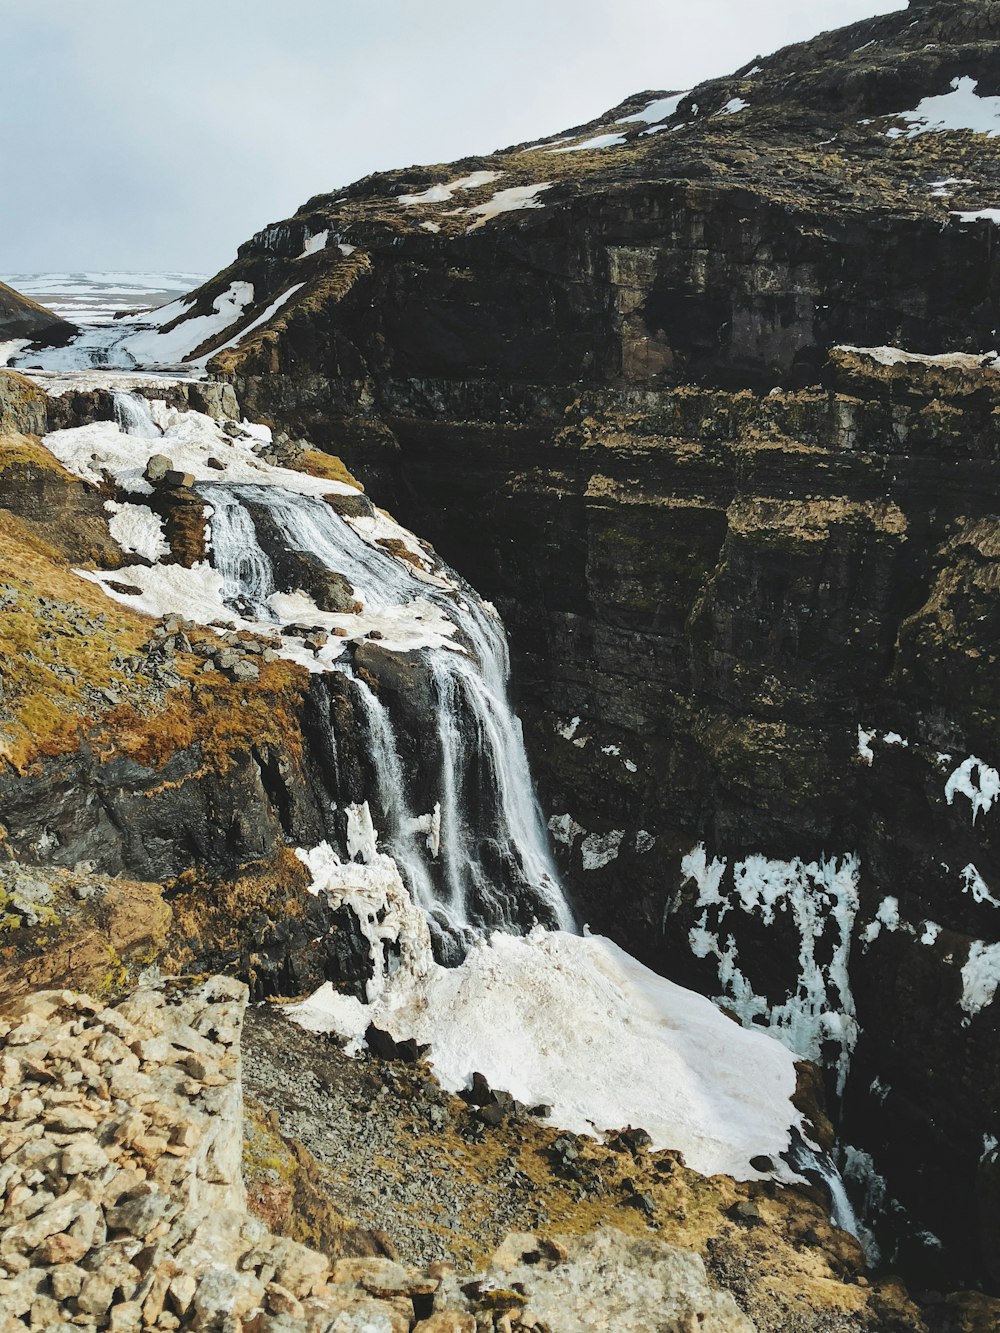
x=125 y=1208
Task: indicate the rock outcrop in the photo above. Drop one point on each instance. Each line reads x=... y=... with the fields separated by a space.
x=749 y=578
x=20 y=317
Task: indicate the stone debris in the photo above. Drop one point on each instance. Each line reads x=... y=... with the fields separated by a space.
x=124 y=1208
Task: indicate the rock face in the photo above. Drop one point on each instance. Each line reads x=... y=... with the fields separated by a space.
x=750 y=583
x=20 y=317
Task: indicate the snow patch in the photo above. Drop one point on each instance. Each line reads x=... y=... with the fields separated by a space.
x=931 y=931
x=961 y=109
x=361 y=838
x=565 y=829
x=599 y=141
x=973 y=882
x=137 y=530
x=509 y=201
x=980 y=976
x=268 y=314
x=314 y=244
x=662 y=109
x=887 y=915
x=440 y=194
x=864 y=746
x=977 y=781
x=734 y=106
x=530 y=1014
x=979 y=215
x=896 y=356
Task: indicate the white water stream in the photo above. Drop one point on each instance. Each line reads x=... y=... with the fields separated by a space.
x=489 y=867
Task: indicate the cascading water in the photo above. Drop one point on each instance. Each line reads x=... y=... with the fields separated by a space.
x=133 y=415
x=817 y=1165
x=480 y=861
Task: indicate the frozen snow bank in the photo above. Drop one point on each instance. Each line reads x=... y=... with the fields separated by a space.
x=314 y=244
x=124 y=346
x=980 y=976
x=961 y=109
x=572 y=1022
x=271 y=310
x=137 y=529
x=979 y=215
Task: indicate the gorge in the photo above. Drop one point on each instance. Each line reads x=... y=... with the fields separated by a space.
x=701 y=399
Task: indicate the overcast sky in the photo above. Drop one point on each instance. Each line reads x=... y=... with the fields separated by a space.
x=159 y=134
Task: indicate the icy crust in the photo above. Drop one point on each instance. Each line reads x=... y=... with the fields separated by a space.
x=821 y=899
x=198 y=446
x=568 y=1021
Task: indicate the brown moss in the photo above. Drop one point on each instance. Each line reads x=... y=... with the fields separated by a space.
x=221 y=915
x=27 y=451
x=98 y=943
x=327 y=466
x=221 y=717
x=48 y=659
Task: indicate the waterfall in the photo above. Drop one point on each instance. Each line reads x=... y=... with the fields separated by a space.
x=247 y=573
x=133 y=415
x=487 y=864
x=817 y=1165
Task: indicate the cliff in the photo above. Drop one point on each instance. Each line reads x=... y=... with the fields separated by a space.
x=749 y=576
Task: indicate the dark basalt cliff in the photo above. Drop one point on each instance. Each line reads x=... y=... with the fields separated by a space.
x=752 y=582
